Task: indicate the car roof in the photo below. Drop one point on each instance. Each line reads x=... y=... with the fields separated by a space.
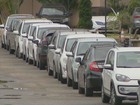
x=85 y=34
x=35 y=20
x=123 y=49
x=97 y=39
x=20 y=15
x=53 y=25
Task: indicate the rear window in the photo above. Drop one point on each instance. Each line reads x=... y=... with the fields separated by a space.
x=82 y=48
x=101 y=50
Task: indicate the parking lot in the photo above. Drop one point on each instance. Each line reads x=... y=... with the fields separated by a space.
x=24 y=84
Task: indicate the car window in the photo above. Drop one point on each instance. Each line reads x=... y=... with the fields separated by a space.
x=100 y=52
x=128 y=59
x=40 y=32
x=110 y=58
x=61 y=41
x=34 y=33
x=70 y=43
x=87 y=55
x=52 y=11
x=82 y=48
x=73 y=48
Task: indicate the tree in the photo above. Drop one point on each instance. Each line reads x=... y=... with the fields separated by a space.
x=132 y=4
x=85 y=14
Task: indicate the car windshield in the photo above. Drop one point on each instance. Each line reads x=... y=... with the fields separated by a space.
x=41 y=31
x=129 y=59
x=52 y=11
x=61 y=41
x=82 y=48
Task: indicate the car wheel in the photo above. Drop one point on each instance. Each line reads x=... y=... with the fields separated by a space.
x=49 y=71
x=74 y=84
x=2 y=45
x=54 y=71
x=88 y=91
x=26 y=58
x=80 y=89
x=69 y=81
x=105 y=98
x=63 y=81
x=30 y=61
x=10 y=50
x=114 y=100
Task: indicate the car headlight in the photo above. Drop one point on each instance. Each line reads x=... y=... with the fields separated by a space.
x=122 y=78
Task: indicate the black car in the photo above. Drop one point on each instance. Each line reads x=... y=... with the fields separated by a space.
x=90 y=69
x=42 y=49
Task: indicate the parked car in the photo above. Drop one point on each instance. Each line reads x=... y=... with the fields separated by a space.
x=61 y=70
x=56 y=43
x=120 y=75
x=100 y=15
x=55 y=12
x=138 y=93
x=7 y=26
x=42 y=49
x=78 y=49
x=29 y=36
x=90 y=69
x=136 y=19
x=21 y=33
x=37 y=36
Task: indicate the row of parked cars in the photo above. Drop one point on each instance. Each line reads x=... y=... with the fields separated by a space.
x=83 y=60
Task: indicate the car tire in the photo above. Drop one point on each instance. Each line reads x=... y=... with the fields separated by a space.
x=105 y=98
x=88 y=91
x=114 y=100
x=50 y=73
x=80 y=89
x=30 y=61
x=54 y=71
x=74 y=84
x=10 y=50
x=69 y=81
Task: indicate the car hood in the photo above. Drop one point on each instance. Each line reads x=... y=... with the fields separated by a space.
x=132 y=73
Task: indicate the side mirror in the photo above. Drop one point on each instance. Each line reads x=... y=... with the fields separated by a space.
x=69 y=54
x=16 y=32
x=30 y=38
x=78 y=60
x=36 y=41
x=108 y=66
x=24 y=35
x=51 y=46
x=57 y=51
x=2 y=26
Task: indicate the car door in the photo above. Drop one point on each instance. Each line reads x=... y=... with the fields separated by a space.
x=82 y=67
x=107 y=73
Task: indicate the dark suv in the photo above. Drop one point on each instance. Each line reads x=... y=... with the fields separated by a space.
x=55 y=12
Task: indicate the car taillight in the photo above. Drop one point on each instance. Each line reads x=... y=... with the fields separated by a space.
x=136 y=16
x=94 y=67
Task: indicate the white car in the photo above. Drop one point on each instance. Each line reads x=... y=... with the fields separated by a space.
x=66 y=48
x=37 y=37
x=29 y=35
x=120 y=75
x=7 y=25
x=138 y=93
x=22 y=31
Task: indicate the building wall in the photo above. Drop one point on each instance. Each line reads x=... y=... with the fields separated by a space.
x=30 y=7
x=98 y=3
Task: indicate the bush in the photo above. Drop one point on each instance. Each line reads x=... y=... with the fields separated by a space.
x=85 y=14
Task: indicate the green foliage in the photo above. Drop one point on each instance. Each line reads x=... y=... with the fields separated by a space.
x=132 y=4
x=85 y=14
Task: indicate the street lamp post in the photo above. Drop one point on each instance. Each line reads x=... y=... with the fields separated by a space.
x=105 y=20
